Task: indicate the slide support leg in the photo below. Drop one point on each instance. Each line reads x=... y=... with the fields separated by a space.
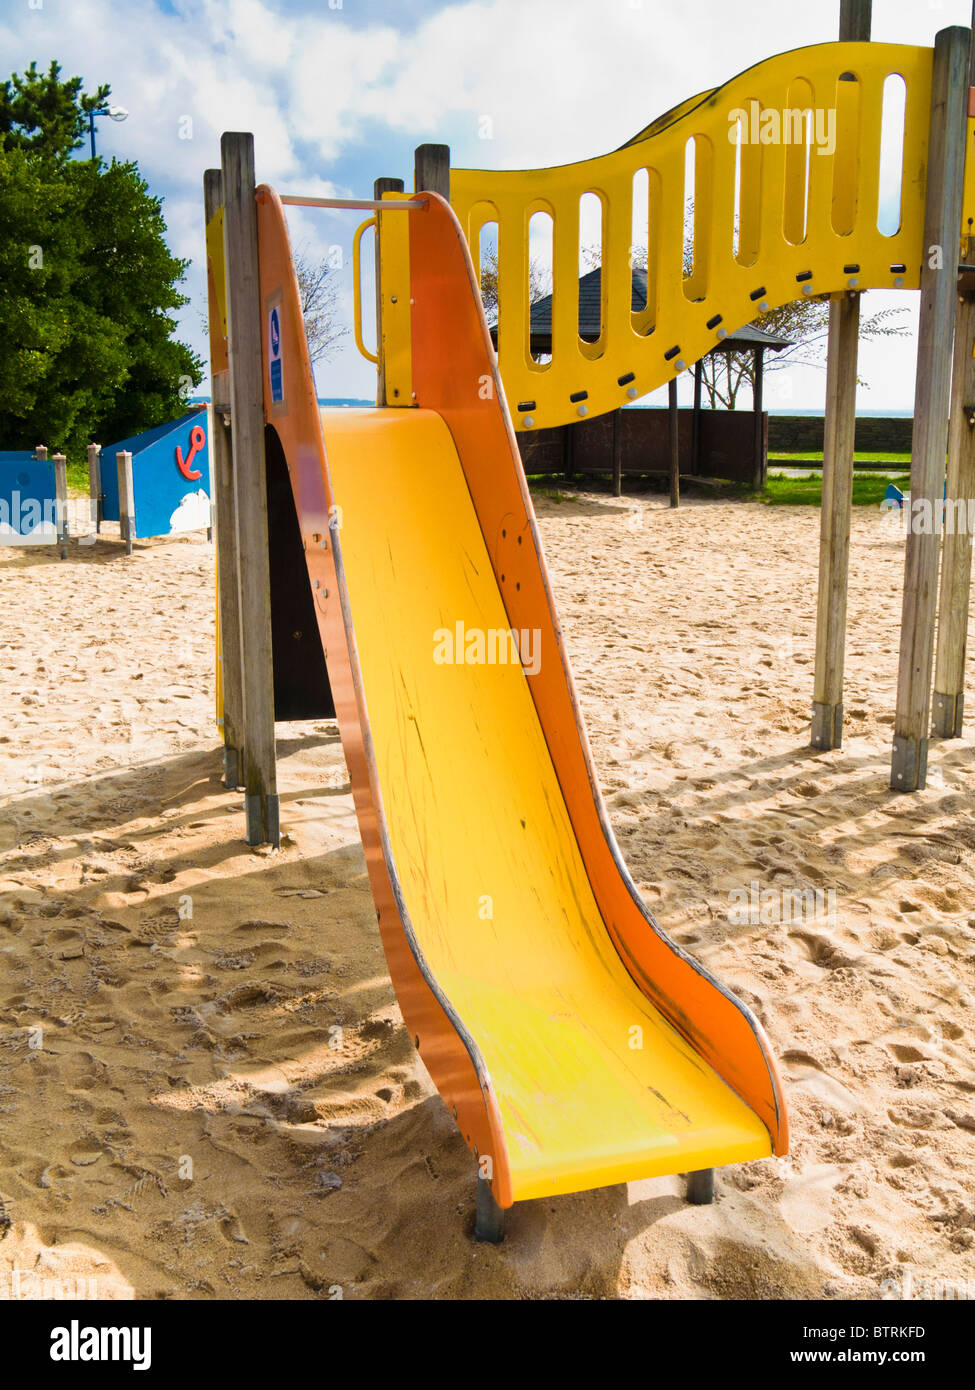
x=700 y=1187
x=489 y=1221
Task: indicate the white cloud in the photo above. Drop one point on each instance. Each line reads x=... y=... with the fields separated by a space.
x=333 y=100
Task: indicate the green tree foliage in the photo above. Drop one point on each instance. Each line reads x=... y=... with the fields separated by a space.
x=88 y=286
x=40 y=113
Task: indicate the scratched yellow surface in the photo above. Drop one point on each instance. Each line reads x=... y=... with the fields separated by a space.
x=490 y=872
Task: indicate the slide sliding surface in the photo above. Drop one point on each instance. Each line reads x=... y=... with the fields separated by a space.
x=593 y=1085
x=575 y=1045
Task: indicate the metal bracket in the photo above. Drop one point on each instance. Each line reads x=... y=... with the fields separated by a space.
x=908 y=764
x=700 y=1187
x=489 y=1220
x=947 y=714
x=827 y=726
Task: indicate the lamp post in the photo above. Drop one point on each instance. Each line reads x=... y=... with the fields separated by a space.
x=114 y=113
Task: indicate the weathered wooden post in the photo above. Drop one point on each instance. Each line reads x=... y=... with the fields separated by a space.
x=381 y=186
x=837 y=504
x=855 y=20
x=95 y=494
x=758 y=409
x=942 y=219
x=617 y=453
x=225 y=515
x=431 y=170
x=835 y=520
x=956 y=561
x=126 y=499
x=40 y=453
x=61 y=502
x=947 y=713
x=673 y=424
x=696 y=425
x=250 y=485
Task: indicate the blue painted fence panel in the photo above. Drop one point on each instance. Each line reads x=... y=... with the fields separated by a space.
x=170 y=477
x=28 y=500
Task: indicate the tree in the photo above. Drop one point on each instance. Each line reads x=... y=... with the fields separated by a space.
x=806 y=323
x=319 y=292
x=133 y=280
x=539 y=282
x=40 y=113
x=88 y=289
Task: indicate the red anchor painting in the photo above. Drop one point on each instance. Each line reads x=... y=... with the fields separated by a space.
x=197 y=441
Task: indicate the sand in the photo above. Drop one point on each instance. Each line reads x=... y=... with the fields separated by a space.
x=206 y=1090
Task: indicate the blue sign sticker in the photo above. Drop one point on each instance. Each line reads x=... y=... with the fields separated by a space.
x=275 y=363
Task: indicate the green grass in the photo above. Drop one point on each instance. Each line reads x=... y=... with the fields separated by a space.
x=552 y=493
x=884 y=457
x=779 y=491
x=808 y=492
x=78 y=479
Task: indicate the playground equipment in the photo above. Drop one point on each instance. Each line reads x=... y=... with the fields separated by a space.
x=34 y=499
x=574 y=1043
x=157 y=483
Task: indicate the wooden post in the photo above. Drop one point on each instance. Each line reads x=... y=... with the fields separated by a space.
x=380 y=187
x=673 y=424
x=956 y=562
x=431 y=170
x=758 y=391
x=835 y=517
x=942 y=219
x=854 y=21
x=837 y=504
x=696 y=428
x=617 y=453
x=228 y=577
x=244 y=311
x=40 y=453
x=95 y=494
x=126 y=499
x=61 y=501
x=568 y=450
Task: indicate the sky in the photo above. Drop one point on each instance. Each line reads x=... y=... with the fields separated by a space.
x=339 y=92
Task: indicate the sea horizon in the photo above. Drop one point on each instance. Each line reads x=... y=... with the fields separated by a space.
x=361 y=403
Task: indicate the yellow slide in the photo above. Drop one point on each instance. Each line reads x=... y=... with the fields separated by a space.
x=594 y=1085
x=573 y=1042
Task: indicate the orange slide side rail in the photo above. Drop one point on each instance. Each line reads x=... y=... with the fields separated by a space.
x=448 y=1052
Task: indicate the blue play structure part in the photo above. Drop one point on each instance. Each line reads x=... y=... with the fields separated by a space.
x=166 y=502
x=893 y=497
x=28 y=499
